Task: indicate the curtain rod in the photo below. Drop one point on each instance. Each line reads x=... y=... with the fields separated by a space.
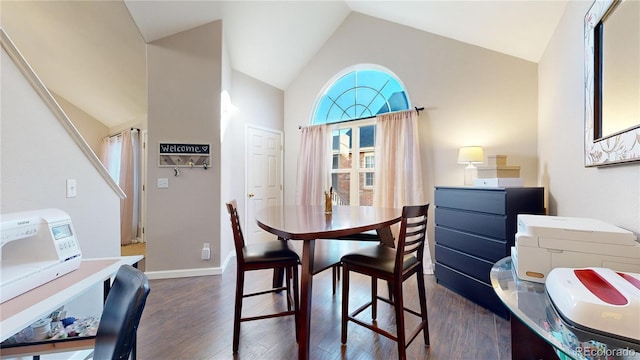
x=120 y=133
x=418 y=109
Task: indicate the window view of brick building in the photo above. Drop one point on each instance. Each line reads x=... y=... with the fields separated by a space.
x=349 y=143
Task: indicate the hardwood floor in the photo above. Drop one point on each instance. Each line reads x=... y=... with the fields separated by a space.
x=135 y=249
x=192 y=318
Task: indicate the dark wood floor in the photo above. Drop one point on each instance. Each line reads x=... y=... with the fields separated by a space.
x=192 y=318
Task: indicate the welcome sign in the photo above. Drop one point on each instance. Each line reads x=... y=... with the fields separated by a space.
x=184 y=155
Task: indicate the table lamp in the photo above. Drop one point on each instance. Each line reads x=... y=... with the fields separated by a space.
x=470 y=155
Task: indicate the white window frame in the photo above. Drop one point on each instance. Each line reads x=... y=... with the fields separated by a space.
x=356 y=169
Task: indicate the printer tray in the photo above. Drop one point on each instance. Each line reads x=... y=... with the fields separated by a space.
x=584 y=333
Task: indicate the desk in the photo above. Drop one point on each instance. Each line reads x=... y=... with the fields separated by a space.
x=308 y=223
x=537 y=331
x=23 y=310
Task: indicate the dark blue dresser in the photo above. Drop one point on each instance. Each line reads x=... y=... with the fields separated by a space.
x=475 y=227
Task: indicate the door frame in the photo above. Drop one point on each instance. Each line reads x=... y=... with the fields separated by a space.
x=144 y=134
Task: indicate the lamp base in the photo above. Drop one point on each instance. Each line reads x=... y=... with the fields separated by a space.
x=470 y=174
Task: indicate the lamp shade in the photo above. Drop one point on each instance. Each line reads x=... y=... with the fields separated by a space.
x=471 y=155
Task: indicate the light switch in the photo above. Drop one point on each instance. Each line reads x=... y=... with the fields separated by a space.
x=163 y=183
x=71 y=188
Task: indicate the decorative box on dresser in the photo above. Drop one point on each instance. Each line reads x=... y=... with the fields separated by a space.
x=475 y=227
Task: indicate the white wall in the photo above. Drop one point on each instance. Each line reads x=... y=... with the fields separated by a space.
x=91 y=129
x=611 y=194
x=187 y=73
x=472 y=96
x=258 y=104
x=37 y=156
x=184 y=82
x=228 y=180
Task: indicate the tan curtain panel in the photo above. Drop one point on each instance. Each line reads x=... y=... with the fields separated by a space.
x=314 y=161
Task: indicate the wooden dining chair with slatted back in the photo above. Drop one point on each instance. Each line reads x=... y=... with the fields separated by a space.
x=260 y=256
x=395 y=266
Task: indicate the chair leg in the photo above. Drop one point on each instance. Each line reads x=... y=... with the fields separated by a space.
x=423 y=306
x=374 y=298
x=238 y=309
x=278 y=277
x=296 y=300
x=335 y=276
x=288 y=287
x=399 y=307
x=345 y=302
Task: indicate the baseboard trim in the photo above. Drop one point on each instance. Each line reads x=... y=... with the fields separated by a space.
x=174 y=274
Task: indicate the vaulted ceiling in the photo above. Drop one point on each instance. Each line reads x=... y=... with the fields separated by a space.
x=92 y=53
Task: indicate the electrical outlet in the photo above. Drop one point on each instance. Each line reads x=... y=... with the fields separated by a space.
x=206 y=251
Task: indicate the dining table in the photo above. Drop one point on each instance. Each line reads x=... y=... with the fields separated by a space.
x=310 y=224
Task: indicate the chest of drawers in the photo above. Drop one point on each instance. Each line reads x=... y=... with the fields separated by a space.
x=475 y=227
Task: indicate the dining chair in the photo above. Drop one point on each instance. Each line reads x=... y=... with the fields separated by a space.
x=116 y=334
x=274 y=255
x=395 y=265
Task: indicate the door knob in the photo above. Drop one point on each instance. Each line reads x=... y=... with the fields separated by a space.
x=251 y=195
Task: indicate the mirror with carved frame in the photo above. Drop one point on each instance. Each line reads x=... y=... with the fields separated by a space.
x=612 y=82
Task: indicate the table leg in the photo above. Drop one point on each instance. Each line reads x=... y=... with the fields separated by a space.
x=306 y=282
x=386 y=236
x=526 y=345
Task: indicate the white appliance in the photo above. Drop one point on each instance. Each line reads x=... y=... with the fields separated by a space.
x=543 y=243
x=597 y=301
x=498 y=182
x=36 y=247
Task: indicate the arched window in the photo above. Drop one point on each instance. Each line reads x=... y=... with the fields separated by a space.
x=360 y=92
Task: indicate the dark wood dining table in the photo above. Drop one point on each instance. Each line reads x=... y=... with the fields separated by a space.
x=311 y=223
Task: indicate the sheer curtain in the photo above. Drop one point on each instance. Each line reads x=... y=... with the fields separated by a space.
x=314 y=165
x=121 y=157
x=398 y=169
x=110 y=155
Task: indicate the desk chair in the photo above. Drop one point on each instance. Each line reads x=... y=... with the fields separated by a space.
x=116 y=333
x=270 y=255
x=395 y=266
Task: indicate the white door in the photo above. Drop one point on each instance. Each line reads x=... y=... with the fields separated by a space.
x=264 y=178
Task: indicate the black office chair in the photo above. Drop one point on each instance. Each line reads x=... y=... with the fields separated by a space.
x=268 y=255
x=395 y=266
x=116 y=333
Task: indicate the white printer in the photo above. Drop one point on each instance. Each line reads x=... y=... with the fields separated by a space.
x=543 y=243
x=36 y=247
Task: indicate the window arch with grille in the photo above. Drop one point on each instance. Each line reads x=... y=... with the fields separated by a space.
x=360 y=92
